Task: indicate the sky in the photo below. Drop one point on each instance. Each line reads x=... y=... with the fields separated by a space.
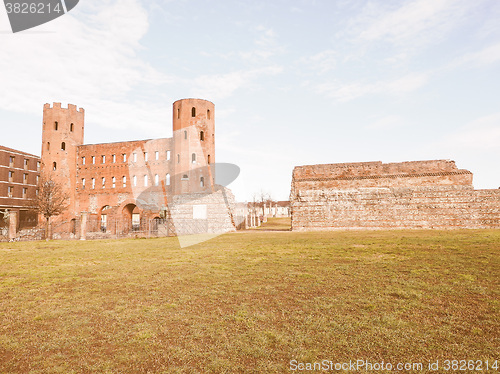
x=294 y=82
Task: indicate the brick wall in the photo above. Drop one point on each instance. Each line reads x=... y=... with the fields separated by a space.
x=427 y=194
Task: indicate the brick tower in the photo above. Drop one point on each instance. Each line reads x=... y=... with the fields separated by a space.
x=62 y=133
x=194 y=145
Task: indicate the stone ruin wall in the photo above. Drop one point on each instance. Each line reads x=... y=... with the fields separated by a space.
x=220 y=208
x=373 y=195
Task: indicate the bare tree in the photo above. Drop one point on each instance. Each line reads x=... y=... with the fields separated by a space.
x=51 y=200
x=5 y=216
x=260 y=201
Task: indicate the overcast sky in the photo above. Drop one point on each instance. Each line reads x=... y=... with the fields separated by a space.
x=294 y=82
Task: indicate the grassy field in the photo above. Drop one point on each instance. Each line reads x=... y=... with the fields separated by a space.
x=276 y=224
x=249 y=302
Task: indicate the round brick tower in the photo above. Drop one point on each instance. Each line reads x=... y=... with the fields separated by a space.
x=62 y=133
x=194 y=145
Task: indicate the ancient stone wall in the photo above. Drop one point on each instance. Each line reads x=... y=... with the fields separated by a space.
x=426 y=194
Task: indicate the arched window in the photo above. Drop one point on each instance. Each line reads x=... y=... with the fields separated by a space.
x=185 y=134
x=63 y=146
x=193 y=158
x=157 y=179
x=48 y=146
x=193 y=112
x=178 y=158
x=167 y=180
x=202 y=182
x=71 y=127
x=178 y=113
x=208 y=158
x=113 y=180
x=124 y=181
x=93 y=183
x=208 y=113
x=202 y=136
x=56 y=125
x=145 y=180
x=103 y=182
x=54 y=166
x=135 y=180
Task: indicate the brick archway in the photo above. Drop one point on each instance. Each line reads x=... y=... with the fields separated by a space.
x=131 y=217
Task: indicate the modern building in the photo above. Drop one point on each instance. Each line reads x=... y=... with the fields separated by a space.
x=19 y=175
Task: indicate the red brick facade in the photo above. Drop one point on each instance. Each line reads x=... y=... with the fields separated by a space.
x=124 y=179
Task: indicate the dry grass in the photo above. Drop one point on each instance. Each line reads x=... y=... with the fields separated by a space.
x=248 y=302
x=276 y=224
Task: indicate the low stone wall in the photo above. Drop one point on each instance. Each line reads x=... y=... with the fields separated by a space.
x=411 y=199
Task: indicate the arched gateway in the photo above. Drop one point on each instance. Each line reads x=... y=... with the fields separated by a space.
x=131 y=218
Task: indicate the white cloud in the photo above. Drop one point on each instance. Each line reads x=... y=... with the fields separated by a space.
x=488 y=55
x=267 y=45
x=417 y=20
x=386 y=123
x=321 y=62
x=399 y=30
x=350 y=91
x=267 y=36
x=482 y=134
x=88 y=57
x=475 y=147
x=407 y=21
x=218 y=86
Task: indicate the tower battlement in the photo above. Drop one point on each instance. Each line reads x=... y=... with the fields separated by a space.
x=71 y=107
x=133 y=177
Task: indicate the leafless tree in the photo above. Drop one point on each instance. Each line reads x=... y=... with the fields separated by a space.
x=5 y=216
x=260 y=199
x=51 y=200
